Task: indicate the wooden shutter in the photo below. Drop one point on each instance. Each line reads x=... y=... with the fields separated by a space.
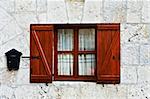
x=41 y=42
x=108 y=53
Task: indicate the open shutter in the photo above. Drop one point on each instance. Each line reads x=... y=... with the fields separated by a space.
x=41 y=42
x=108 y=53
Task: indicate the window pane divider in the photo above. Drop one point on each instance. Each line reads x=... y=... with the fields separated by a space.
x=86 y=52
x=75 y=53
x=65 y=52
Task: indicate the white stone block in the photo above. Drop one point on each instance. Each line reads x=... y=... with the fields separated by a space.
x=26 y=34
x=134 y=10
x=54 y=91
x=139 y=91
x=129 y=33
x=75 y=0
x=92 y=11
x=27 y=92
x=8 y=77
x=101 y=92
x=129 y=75
x=42 y=18
x=25 y=63
x=69 y=92
x=1 y=76
x=9 y=31
x=88 y=90
x=19 y=77
x=3 y=62
x=116 y=92
x=23 y=76
x=47 y=92
x=146 y=11
x=78 y=90
x=56 y=11
x=143 y=74
x=2 y=65
x=19 y=43
x=8 y=5
x=144 y=34
x=5 y=17
x=145 y=54
x=25 y=5
x=6 y=92
x=114 y=11
x=74 y=11
x=135 y=33
x=130 y=54
x=41 y=5
x=24 y=19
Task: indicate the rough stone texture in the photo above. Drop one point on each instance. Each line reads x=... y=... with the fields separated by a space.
x=114 y=11
x=134 y=16
x=25 y=5
x=129 y=75
x=41 y=5
x=145 y=54
x=92 y=11
x=8 y=5
x=6 y=92
x=146 y=11
x=10 y=31
x=116 y=92
x=135 y=33
x=15 y=77
x=138 y=11
x=134 y=12
x=18 y=43
x=24 y=18
x=139 y=91
x=5 y=18
x=72 y=9
x=143 y=74
x=130 y=54
x=56 y=11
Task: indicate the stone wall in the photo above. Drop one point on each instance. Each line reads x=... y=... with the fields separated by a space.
x=134 y=16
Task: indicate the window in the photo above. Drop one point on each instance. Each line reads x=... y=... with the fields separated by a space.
x=75 y=52
x=80 y=52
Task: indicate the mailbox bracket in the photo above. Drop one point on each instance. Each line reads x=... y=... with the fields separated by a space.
x=31 y=57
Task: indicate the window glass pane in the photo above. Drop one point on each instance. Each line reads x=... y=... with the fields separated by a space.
x=86 y=63
x=65 y=40
x=86 y=39
x=65 y=64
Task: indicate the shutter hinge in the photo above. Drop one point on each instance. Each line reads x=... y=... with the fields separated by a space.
x=103 y=85
x=31 y=70
x=46 y=84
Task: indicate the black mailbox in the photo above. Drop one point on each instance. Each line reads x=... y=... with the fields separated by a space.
x=13 y=59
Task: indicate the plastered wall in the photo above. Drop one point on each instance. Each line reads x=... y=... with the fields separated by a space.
x=134 y=16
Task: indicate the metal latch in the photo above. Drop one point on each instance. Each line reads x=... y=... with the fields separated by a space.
x=32 y=57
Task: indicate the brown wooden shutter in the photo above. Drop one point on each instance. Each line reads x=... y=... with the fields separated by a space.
x=41 y=44
x=108 y=53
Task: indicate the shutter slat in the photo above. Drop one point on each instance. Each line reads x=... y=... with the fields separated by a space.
x=108 y=27
x=108 y=53
x=37 y=27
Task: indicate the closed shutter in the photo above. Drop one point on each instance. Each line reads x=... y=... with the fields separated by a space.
x=108 y=53
x=41 y=42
